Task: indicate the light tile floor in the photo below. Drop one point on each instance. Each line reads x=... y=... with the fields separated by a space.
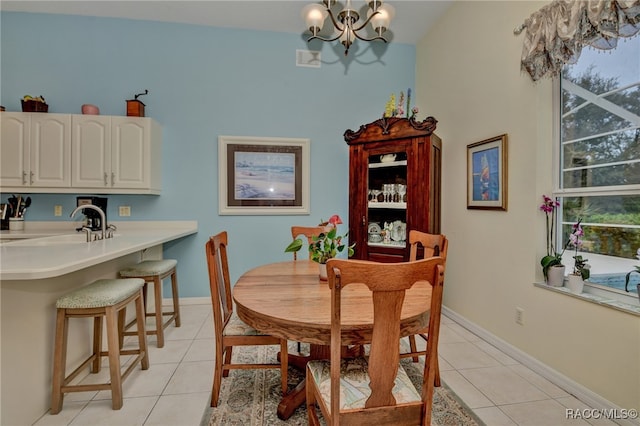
x=175 y=390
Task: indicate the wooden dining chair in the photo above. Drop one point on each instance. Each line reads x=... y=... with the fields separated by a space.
x=230 y=330
x=424 y=245
x=375 y=390
x=307 y=231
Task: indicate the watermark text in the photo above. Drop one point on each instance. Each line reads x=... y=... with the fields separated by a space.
x=601 y=413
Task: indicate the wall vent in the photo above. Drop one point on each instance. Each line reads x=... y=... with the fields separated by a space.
x=308 y=58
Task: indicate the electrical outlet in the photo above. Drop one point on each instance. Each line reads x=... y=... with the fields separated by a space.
x=57 y=210
x=125 y=211
x=519 y=316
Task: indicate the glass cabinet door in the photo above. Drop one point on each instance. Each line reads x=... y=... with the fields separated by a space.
x=387 y=201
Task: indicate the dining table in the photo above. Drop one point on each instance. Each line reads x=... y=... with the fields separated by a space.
x=288 y=300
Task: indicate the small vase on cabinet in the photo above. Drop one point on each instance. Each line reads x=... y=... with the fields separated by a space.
x=555 y=276
x=575 y=283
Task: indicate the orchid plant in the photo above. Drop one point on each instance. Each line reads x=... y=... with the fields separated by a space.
x=327 y=244
x=628 y=276
x=580 y=266
x=553 y=258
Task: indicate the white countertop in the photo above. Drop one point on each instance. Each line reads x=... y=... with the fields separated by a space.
x=27 y=262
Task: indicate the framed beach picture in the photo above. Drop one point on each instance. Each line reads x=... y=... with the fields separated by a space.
x=487 y=174
x=263 y=176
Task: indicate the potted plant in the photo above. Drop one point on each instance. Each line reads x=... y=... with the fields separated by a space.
x=628 y=276
x=552 y=267
x=324 y=246
x=581 y=272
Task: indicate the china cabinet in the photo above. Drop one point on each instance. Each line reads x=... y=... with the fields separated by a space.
x=394 y=185
x=35 y=150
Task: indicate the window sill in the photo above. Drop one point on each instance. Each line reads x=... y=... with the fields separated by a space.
x=607 y=302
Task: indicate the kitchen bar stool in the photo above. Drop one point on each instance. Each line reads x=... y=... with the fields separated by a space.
x=154 y=271
x=102 y=298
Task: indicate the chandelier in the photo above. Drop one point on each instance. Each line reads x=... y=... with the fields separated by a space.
x=346 y=22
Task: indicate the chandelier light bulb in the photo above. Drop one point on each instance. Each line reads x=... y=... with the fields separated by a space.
x=381 y=20
x=314 y=16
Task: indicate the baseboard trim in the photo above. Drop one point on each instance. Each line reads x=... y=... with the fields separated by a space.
x=584 y=394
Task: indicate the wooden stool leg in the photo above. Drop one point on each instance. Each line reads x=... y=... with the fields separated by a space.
x=142 y=332
x=176 y=303
x=59 y=360
x=122 y=325
x=113 y=347
x=97 y=344
x=157 y=290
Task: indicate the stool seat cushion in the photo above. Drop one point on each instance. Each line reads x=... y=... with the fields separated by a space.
x=100 y=293
x=149 y=268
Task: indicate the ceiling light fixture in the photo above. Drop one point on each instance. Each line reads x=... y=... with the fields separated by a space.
x=346 y=21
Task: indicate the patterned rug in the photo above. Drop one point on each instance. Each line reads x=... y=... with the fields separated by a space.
x=251 y=397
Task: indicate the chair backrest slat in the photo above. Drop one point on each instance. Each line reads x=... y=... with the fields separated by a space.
x=307 y=231
x=432 y=245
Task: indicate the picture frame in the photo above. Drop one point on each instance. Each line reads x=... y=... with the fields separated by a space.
x=487 y=174
x=263 y=176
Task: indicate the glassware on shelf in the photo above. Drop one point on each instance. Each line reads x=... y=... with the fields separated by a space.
x=375 y=193
x=402 y=192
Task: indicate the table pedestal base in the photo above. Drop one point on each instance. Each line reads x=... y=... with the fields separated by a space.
x=294 y=399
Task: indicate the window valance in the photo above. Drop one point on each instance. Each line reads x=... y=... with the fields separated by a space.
x=556 y=33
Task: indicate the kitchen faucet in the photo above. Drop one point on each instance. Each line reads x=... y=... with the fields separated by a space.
x=100 y=212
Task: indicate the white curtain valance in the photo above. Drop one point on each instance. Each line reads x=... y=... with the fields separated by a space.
x=556 y=33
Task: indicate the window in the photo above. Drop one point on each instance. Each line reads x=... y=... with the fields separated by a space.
x=599 y=160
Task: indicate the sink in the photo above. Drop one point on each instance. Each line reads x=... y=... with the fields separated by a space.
x=56 y=240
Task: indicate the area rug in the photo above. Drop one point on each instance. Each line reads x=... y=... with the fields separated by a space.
x=251 y=397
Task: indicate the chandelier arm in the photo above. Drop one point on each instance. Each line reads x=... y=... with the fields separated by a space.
x=335 y=23
x=369 y=39
x=325 y=39
x=366 y=22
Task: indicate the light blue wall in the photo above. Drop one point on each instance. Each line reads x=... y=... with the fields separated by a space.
x=204 y=82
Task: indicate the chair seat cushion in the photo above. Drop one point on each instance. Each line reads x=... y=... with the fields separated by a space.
x=149 y=268
x=354 y=383
x=237 y=327
x=100 y=293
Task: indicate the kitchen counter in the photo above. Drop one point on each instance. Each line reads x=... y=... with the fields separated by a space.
x=33 y=274
x=26 y=262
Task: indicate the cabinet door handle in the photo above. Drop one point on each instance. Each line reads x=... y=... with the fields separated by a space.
x=31 y=178
x=24 y=178
x=113 y=179
x=364 y=221
x=106 y=179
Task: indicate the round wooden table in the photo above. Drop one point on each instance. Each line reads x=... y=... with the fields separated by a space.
x=288 y=300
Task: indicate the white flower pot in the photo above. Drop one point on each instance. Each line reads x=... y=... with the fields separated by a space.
x=555 y=276
x=575 y=283
x=322 y=267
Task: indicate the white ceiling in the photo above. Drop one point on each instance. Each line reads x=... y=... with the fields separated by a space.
x=412 y=20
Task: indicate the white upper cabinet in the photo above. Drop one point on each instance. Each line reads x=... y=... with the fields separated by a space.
x=103 y=155
x=14 y=149
x=35 y=151
x=135 y=155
